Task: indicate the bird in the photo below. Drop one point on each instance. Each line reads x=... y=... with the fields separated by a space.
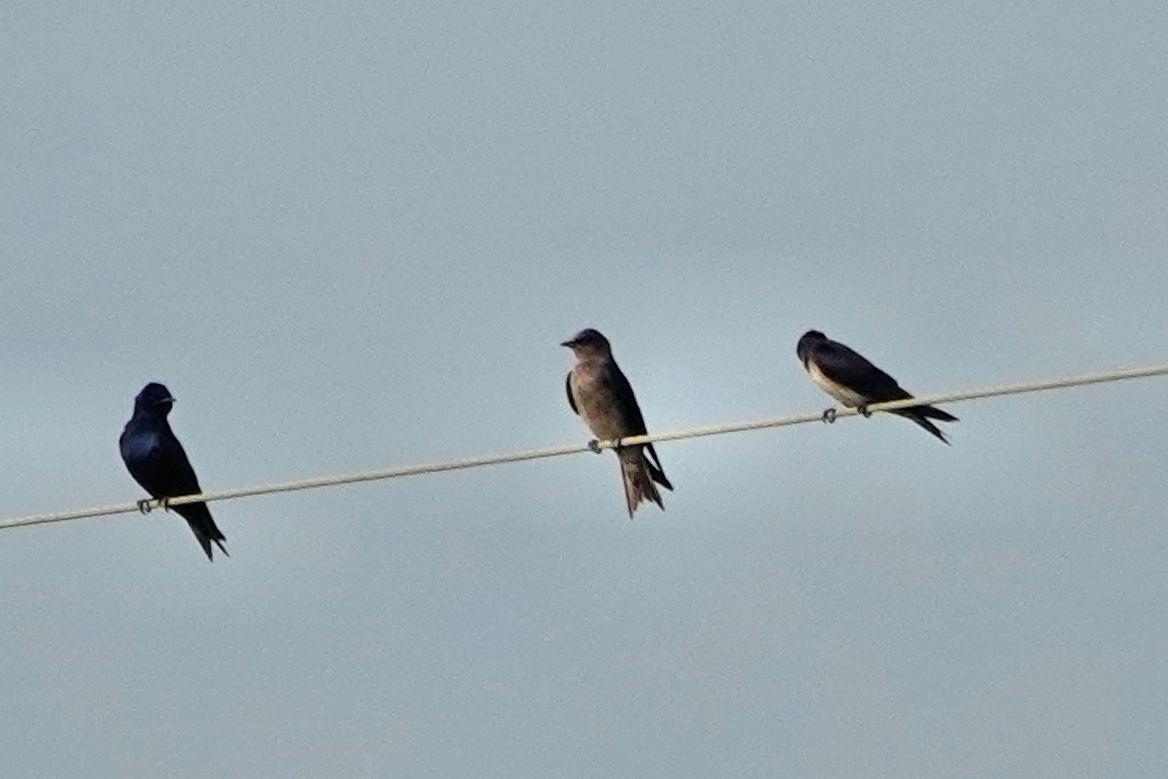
x=849 y=378
x=601 y=395
x=157 y=461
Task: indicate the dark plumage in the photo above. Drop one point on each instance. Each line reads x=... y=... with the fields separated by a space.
x=599 y=392
x=156 y=460
x=849 y=378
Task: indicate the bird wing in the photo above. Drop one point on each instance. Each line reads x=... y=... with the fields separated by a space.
x=571 y=397
x=852 y=370
x=634 y=421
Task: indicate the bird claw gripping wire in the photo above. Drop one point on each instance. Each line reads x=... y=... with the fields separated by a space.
x=144 y=506
x=863 y=411
x=594 y=445
x=829 y=416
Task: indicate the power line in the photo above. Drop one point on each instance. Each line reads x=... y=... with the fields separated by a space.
x=596 y=446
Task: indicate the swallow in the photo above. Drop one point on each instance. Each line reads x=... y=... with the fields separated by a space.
x=157 y=461
x=601 y=395
x=849 y=378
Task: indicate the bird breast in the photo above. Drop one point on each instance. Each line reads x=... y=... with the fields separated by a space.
x=838 y=391
x=597 y=403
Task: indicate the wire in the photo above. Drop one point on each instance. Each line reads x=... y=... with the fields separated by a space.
x=595 y=446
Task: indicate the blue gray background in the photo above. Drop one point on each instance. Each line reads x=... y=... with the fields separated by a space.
x=352 y=236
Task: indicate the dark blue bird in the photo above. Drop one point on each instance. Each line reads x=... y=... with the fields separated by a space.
x=157 y=461
x=848 y=377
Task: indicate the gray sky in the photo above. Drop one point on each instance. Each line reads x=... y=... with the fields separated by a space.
x=354 y=237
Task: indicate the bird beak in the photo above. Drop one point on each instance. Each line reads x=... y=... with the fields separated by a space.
x=568 y=344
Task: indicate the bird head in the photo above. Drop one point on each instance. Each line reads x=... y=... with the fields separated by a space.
x=587 y=342
x=154 y=399
x=807 y=342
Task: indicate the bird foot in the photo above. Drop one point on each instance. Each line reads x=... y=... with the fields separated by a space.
x=164 y=503
x=594 y=445
x=829 y=416
x=863 y=411
x=144 y=506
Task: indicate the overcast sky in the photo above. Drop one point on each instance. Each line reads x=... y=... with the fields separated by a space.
x=353 y=237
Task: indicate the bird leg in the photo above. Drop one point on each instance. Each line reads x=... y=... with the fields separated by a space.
x=144 y=505
x=164 y=503
x=829 y=416
x=594 y=445
x=863 y=411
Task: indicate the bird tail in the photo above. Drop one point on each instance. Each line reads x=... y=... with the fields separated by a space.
x=932 y=412
x=656 y=472
x=198 y=516
x=921 y=415
x=639 y=474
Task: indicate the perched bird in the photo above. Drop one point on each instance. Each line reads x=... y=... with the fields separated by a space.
x=853 y=381
x=157 y=461
x=602 y=396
